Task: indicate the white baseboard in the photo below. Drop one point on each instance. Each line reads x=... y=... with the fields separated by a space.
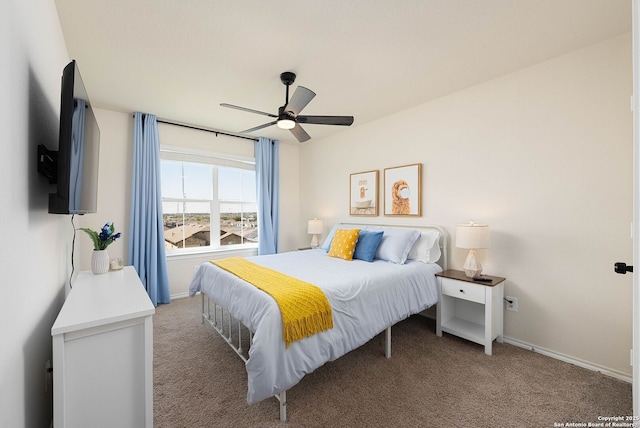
x=180 y=295
x=571 y=360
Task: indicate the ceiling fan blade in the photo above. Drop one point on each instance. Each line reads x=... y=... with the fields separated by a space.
x=300 y=134
x=326 y=120
x=301 y=97
x=248 y=110
x=246 y=131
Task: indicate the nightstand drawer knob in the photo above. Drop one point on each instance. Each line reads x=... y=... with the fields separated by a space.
x=461 y=290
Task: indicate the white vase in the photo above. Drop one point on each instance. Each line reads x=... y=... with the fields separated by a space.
x=100 y=261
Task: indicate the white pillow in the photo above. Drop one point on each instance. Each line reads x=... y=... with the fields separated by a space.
x=396 y=244
x=427 y=248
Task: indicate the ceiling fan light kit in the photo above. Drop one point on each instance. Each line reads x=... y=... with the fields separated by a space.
x=289 y=117
x=285 y=121
x=286 y=124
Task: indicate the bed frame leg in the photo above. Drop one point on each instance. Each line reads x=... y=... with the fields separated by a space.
x=387 y=351
x=202 y=300
x=282 y=398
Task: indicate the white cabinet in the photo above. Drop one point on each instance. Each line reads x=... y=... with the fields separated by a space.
x=469 y=309
x=103 y=353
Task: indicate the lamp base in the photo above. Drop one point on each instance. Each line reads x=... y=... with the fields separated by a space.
x=314 y=241
x=472 y=267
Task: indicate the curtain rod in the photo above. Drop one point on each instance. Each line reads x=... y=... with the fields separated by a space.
x=199 y=128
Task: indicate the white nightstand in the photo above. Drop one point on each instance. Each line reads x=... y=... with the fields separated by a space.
x=470 y=309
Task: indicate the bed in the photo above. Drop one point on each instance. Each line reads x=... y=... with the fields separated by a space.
x=367 y=296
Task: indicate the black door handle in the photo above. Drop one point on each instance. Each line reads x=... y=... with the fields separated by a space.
x=622 y=268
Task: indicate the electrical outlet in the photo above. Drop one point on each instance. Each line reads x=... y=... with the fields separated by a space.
x=511 y=303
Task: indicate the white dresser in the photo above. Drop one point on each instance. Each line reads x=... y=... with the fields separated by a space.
x=103 y=353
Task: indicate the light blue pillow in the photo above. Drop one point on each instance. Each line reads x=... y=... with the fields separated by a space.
x=327 y=241
x=396 y=245
x=367 y=245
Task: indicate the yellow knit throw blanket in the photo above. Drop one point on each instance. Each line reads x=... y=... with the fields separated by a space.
x=304 y=307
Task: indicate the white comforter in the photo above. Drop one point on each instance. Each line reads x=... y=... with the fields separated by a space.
x=365 y=298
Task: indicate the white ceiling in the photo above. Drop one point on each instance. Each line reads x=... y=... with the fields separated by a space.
x=366 y=58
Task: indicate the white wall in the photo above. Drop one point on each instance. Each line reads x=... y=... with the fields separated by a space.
x=544 y=156
x=35 y=257
x=114 y=186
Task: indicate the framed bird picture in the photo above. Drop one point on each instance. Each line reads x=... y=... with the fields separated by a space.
x=402 y=190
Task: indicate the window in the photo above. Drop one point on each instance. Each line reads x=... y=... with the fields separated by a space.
x=208 y=201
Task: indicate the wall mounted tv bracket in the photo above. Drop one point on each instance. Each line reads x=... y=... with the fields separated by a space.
x=48 y=163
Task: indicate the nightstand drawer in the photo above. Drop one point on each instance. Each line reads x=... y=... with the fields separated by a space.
x=463 y=290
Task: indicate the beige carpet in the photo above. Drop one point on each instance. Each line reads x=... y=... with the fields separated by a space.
x=429 y=382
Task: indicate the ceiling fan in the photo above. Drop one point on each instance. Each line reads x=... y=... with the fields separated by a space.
x=289 y=117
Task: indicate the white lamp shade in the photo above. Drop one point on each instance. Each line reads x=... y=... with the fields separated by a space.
x=472 y=236
x=315 y=226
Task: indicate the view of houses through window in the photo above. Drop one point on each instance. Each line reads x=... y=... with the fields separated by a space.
x=207 y=201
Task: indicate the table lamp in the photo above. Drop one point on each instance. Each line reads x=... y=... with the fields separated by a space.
x=473 y=237
x=314 y=227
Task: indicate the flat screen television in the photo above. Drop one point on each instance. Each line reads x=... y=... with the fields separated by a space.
x=75 y=165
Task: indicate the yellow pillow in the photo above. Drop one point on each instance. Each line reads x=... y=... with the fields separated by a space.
x=344 y=243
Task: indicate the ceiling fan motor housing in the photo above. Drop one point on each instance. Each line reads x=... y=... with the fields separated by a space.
x=284 y=114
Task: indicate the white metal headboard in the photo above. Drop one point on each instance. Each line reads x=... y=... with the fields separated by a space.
x=443 y=242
